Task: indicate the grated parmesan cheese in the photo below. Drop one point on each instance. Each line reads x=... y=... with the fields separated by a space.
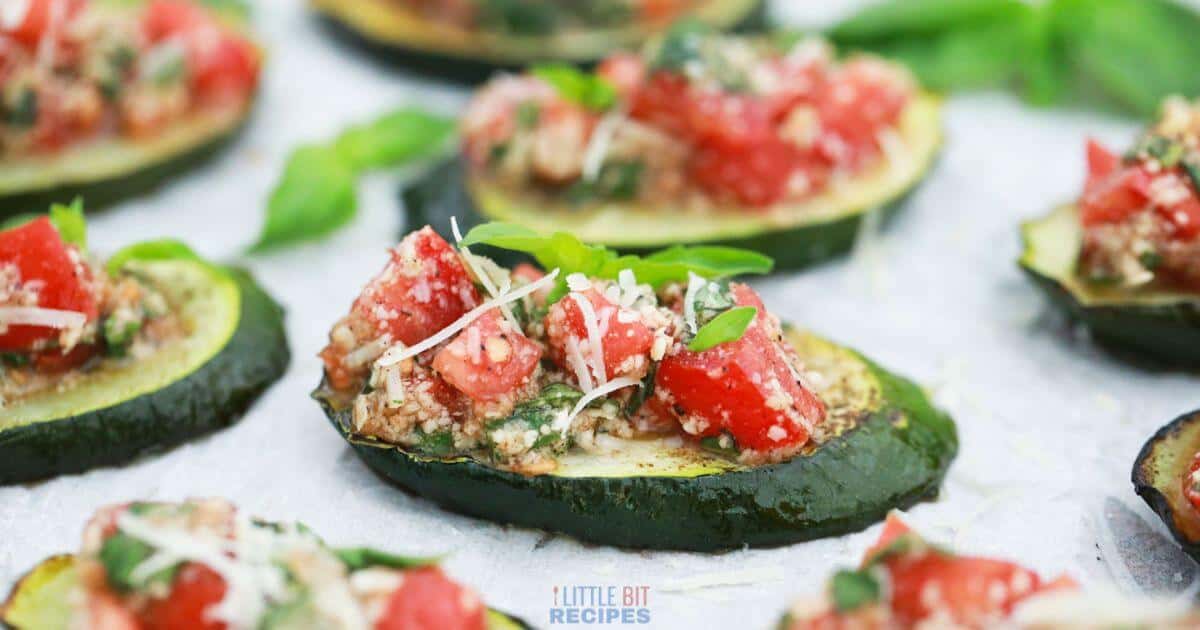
x=485 y=279
x=595 y=339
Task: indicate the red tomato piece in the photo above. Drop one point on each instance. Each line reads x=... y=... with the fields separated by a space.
x=423 y=289
x=221 y=64
x=1100 y=161
x=625 y=340
x=1116 y=196
x=625 y=71
x=1185 y=215
x=428 y=600
x=754 y=175
x=744 y=387
x=54 y=361
x=732 y=121
x=1190 y=490
x=41 y=16
x=660 y=103
x=40 y=255
x=861 y=99
x=195 y=590
x=968 y=590
x=489 y=359
x=893 y=528
x=105 y=612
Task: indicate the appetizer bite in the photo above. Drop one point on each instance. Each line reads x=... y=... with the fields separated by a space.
x=470 y=39
x=702 y=138
x=906 y=582
x=1125 y=259
x=204 y=564
x=634 y=401
x=101 y=362
x=105 y=99
x=1166 y=475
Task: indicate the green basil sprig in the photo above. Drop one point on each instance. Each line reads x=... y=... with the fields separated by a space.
x=726 y=327
x=583 y=88
x=359 y=558
x=317 y=193
x=1124 y=55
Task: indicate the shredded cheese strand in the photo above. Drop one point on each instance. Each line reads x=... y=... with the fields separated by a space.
x=595 y=339
x=38 y=316
x=695 y=283
x=597 y=148
x=484 y=277
x=396 y=354
x=563 y=424
x=575 y=358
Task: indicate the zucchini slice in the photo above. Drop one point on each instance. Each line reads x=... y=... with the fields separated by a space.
x=795 y=235
x=397 y=34
x=1162 y=325
x=1158 y=474
x=110 y=169
x=39 y=600
x=888 y=447
x=234 y=349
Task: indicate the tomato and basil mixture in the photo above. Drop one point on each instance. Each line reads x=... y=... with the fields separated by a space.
x=72 y=71
x=1141 y=211
x=204 y=565
x=904 y=582
x=62 y=314
x=697 y=120
x=447 y=353
x=546 y=17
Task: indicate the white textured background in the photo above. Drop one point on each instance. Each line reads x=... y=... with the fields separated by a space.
x=1049 y=426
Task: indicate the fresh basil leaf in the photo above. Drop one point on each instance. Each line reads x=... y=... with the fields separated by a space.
x=162 y=249
x=894 y=18
x=316 y=196
x=359 y=558
x=121 y=554
x=852 y=590
x=396 y=138
x=69 y=221
x=726 y=327
x=714 y=261
x=583 y=88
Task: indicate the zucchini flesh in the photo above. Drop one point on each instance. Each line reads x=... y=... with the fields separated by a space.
x=39 y=600
x=889 y=449
x=1157 y=324
x=1158 y=474
x=233 y=349
x=795 y=235
x=382 y=24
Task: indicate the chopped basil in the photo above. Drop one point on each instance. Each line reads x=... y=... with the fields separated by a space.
x=726 y=327
x=553 y=401
x=520 y=17
x=14 y=359
x=438 y=443
x=616 y=181
x=1151 y=260
x=528 y=114
x=1165 y=151
x=587 y=89
x=1192 y=168
x=643 y=393
x=359 y=558
x=119 y=336
x=723 y=444
x=711 y=300
x=23 y=111
x=852 y=590
x=169 y=69
x=121 y=554
x=680 y=46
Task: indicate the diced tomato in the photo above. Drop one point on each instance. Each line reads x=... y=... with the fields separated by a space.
x=893 y=528
x=194 y=592
x=41 y=16
x=55 y=362
x=1100 y=162
x=1190 y=490
x=105 y=612
x=1121 y=193
x=423 y=289
x=625 y=340
x=40 y=255
x=489 y=359
x=625 y=71
x=1185 y=215
x=753 y=175
x=661 y=102
x=428 y=600
x=861 y=99
x=221 y=64
x=744 y=387
x=968 y=591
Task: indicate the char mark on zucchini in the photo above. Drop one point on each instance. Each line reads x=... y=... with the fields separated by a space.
x=602 y=388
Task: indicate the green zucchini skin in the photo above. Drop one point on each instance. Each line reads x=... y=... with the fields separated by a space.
x=442 y=194
x=1158 y=478
x=472 y=70
x=103 y=193
x=1168 y=333
x=1164 y=331
x=210 y=398
x=893 y=459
